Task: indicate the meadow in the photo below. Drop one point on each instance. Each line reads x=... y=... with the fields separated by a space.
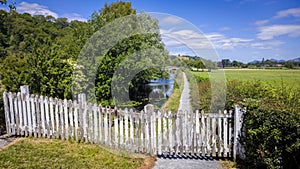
x=270 y=76
x=272 y=100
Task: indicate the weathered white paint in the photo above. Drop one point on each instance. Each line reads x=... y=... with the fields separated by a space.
x=147 y=132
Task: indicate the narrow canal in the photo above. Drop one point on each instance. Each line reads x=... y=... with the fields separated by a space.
x=160 y=90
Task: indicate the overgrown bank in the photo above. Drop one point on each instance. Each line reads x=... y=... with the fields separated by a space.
x=271 y=124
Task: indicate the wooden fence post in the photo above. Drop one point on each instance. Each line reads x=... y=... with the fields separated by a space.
x=238 y=119
x=82 y=106
x=149 y=109
x=6 y=112
x=24 y=89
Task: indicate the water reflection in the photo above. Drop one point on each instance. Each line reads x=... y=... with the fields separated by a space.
x=160 y=89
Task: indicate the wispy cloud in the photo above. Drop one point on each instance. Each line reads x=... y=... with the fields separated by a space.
x=35 y=9
x=266 y=44
x=202 y=41
x=261 y=22
x=225 y=28
x=171 y=20
x=221 y=41
x=270 y=32
x=295 y=12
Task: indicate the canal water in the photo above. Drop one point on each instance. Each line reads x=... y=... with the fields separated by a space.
x=161 y=89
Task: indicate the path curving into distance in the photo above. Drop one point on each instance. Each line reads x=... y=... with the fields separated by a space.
x=165 y=162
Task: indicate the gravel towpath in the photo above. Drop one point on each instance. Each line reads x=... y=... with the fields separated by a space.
x=187 y=162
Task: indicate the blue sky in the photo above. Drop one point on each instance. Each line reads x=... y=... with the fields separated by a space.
x=242 y=30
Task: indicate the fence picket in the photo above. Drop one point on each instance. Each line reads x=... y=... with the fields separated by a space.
x=51 y=117
x=225 y=143
x=126 y=127
x=159 y=141
x=24 y=111
x=110 y=140
x=208 y=128
x=121 y=130
x=177 y=133
x=151 y=132
x=29 y=121
x=100 y=124
x=33 y=114
x=38 y=117
x=116 y=128
x=142 y=117
x=17 y=112
x=220 y=140
x=137 y=132
x=12 y=126
x=131 y=129
x=105 y=126
x=90 y=123
x=47 y=122
x=61 y=116
x=170 y=129
x=43 y=131
x=165 y=130
x=147 y=133
x=213 y=131
x=230 y=132
x=6 y=113
x=96 y=132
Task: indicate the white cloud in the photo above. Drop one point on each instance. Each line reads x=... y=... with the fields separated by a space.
x=202 y=41
x=74 y=16
x=269 y=32
x=35 y=9
x=266 y=44
x=187 y=37
x=171 y=20
x=223 y=42
x=295 y=12
x=225 y=28
x=261 y=22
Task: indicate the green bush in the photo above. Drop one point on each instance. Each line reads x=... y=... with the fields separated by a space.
x=272 y=138
x=271 y=123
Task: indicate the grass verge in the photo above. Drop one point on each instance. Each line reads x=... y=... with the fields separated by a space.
x=45 y=153
x=173 y=101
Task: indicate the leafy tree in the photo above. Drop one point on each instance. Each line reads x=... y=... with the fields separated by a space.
x=226 y=63
x=199 y=64
x=122 y=50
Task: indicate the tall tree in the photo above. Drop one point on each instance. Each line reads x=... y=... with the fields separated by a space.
x=122 y=50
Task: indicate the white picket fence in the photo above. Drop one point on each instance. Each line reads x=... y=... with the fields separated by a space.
x=150 y=132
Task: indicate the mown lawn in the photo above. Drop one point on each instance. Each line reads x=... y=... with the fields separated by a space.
x=46 y=153
x=271 y=76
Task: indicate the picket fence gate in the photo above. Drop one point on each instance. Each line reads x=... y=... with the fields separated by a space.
x=148 y=131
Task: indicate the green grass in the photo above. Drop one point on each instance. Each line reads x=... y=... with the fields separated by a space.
x=45 y=153
x=173 y=101
x=271 y=76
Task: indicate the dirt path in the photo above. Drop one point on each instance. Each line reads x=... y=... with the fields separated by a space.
x=187 y=162
x=5 y=140
x=185 y=104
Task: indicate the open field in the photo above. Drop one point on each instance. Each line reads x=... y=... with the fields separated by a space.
x=287 y=77
x=45 y=153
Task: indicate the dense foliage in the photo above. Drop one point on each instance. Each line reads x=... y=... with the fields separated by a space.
x=42 y=51
x=271 y=125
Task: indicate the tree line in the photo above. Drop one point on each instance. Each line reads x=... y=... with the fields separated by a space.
x=41 y=51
